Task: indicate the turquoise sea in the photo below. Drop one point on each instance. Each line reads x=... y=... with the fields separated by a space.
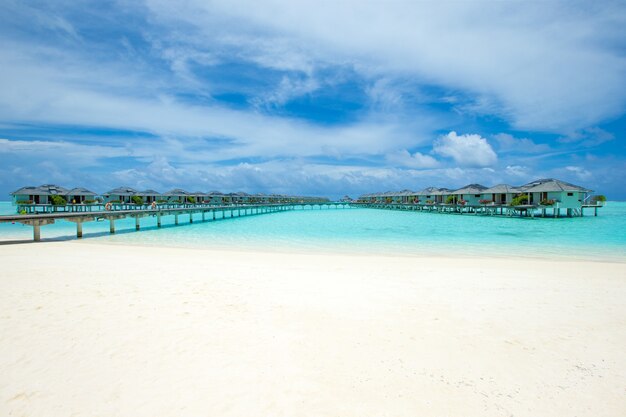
x=365 y=231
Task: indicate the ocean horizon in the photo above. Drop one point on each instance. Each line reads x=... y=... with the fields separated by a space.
x=364 y=231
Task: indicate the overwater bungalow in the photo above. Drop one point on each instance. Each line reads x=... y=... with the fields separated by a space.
x=215 y=198
x=81 y=196
x=239 y=198
x=122 y=195
x=441 y=195
x=500 y=194
x=149 y=196
x=407 y=196
x=427 y=195
x=551 y=191
x=178 y=196
x=38 y=195
x=545 y=198
x=259 y=198
x=200 y=196
x=470 y=194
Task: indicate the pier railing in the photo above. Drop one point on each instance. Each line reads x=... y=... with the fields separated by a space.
x=491 y=209
x=97 y=207
x=206 y=211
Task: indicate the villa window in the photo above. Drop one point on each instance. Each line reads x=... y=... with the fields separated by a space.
x=570 y=194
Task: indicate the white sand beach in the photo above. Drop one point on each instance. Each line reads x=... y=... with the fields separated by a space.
x=88 y=329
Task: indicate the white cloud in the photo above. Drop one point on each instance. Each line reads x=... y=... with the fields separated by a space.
x=517 y=171
x=548 y=66
x=289 y=88
x=73 y=153
x=580 y=172
x=588 y=137
x=509 y=143
x=466 y=150
x=416 y=160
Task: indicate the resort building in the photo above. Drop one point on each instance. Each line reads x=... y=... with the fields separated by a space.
x=38 y=195
x=122 y=195
x=470 y=194
x=551 y=191
x=500 y=194
x=178 y=195
x=441 y=195
x=200 y=197
x=81 y=196
x=540 y=193
x=215 y=198
x=427 y=195
x=239 y=198
x=149 y=196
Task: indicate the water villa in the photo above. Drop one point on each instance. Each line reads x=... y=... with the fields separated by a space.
x=51 y=198
x=120 y=195
x=38 y=195
x=544 y=198
x=39 y=206
x=46 y=204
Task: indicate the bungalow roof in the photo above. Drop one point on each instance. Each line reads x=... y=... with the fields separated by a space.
x=502 y=189
x=428 y=191
x=176 y=192
x=46 y=189
x=148 y=193
x=442 y=191
x=471 y=189
x=125 y=191
x=551 y=185
x=81 y=191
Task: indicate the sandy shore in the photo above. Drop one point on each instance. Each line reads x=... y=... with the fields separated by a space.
x=104 y=330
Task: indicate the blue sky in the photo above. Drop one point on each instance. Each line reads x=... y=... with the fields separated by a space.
x=320 y=98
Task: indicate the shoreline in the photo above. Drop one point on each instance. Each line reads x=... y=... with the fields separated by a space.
x=99 y=329
x=450 y=252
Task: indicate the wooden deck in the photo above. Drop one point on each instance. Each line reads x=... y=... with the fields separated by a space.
x=209 y=212
x=528 y=210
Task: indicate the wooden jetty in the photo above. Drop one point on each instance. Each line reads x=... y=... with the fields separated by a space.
x=208 y=212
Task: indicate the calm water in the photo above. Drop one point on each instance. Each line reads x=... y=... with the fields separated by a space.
x=366 y=230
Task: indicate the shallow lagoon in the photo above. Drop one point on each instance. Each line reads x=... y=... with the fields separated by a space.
x=366 y=230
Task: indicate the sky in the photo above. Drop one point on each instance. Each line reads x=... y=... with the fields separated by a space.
x=321 y=98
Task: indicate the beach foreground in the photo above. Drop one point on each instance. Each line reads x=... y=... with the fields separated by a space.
x=105 y=330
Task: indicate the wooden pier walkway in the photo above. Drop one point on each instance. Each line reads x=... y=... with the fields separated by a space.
x=36 y=220
x=529 y=210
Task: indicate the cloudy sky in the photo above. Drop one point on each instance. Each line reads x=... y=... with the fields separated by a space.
x=320 y=98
